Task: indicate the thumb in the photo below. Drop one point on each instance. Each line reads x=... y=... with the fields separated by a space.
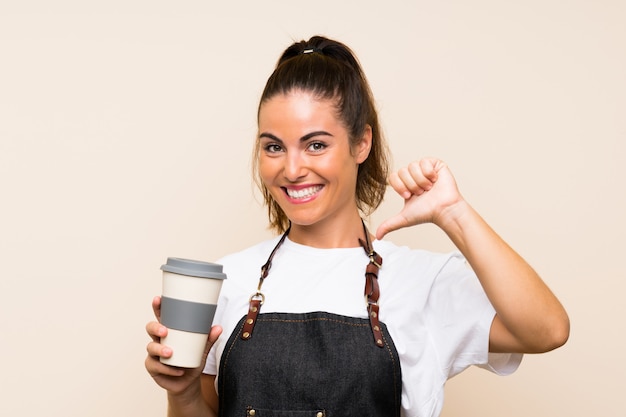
x=393 y=223
x=214 y=334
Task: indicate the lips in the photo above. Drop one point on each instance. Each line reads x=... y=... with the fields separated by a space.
x=303 y=193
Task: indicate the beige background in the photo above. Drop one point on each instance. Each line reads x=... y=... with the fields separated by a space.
x=125 y=137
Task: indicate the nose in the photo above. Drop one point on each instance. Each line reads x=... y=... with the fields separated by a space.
x=295 y=167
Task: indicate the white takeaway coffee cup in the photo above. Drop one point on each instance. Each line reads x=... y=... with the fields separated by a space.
x=188 y=303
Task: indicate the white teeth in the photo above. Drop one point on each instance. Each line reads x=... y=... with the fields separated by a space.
x=303 y=193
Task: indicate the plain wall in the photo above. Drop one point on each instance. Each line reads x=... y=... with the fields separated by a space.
x=125 y=137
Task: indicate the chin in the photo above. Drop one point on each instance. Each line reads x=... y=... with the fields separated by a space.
x=302 y=220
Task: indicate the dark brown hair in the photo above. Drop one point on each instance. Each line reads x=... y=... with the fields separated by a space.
x=330 y=70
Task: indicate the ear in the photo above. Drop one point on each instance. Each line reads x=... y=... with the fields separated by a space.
x=363 y=147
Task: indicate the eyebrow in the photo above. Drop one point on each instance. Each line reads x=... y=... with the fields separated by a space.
x=302 y=139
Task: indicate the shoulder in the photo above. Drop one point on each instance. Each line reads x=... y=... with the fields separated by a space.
x=245 y=265
x=405 y=260
x=420 y=277
x=260 y=250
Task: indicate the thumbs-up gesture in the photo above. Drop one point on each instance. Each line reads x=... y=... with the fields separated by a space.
x=429 y=192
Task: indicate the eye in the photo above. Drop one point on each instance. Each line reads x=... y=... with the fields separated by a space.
x=317 y=146
x=272 y=148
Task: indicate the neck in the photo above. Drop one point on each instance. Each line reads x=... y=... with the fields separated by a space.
x=344 y=235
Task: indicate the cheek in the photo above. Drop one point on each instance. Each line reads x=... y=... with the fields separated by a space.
x=343 y=167
x=266 y=169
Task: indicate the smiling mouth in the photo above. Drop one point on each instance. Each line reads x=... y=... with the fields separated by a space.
x=303 y=193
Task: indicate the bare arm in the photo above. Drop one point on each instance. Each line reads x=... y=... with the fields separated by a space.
x=208 y=392
x=529 y=318
x=189 y=404
x=201 y=401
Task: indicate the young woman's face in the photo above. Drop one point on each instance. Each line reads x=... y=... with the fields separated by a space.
x=305 y=158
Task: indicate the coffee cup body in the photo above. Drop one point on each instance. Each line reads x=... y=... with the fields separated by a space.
x=188 y=303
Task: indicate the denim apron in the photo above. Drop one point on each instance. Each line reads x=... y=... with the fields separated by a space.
x=314 y=364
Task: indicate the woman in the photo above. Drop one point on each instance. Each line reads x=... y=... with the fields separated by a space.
x=302 y=339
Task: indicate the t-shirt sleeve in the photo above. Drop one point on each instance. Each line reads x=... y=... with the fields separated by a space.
x=232 y=303
x=211 y=364
x=212 y=361
x=460 y=317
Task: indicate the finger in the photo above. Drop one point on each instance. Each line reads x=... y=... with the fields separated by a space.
x=393 y=223
x=431 y=167
x=417 y=177
x=156 y=330
x=424 y=175
x=410 y=177
x=153 y=364
x=156 y=368
x=214 y=334
x=158 y=350
x=398 y=185
x=156 y=307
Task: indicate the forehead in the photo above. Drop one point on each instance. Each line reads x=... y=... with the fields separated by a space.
x=297 y=107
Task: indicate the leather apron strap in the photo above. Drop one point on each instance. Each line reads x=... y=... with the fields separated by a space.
x=372 y=292
x=257 y=299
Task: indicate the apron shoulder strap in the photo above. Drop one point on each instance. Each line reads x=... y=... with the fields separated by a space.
x=257 y=299
x=372 y=292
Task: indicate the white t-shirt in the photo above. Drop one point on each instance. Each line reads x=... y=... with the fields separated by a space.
x=433 y=305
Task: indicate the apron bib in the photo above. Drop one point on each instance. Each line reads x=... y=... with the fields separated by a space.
x=307 y=364
x=312 y=364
